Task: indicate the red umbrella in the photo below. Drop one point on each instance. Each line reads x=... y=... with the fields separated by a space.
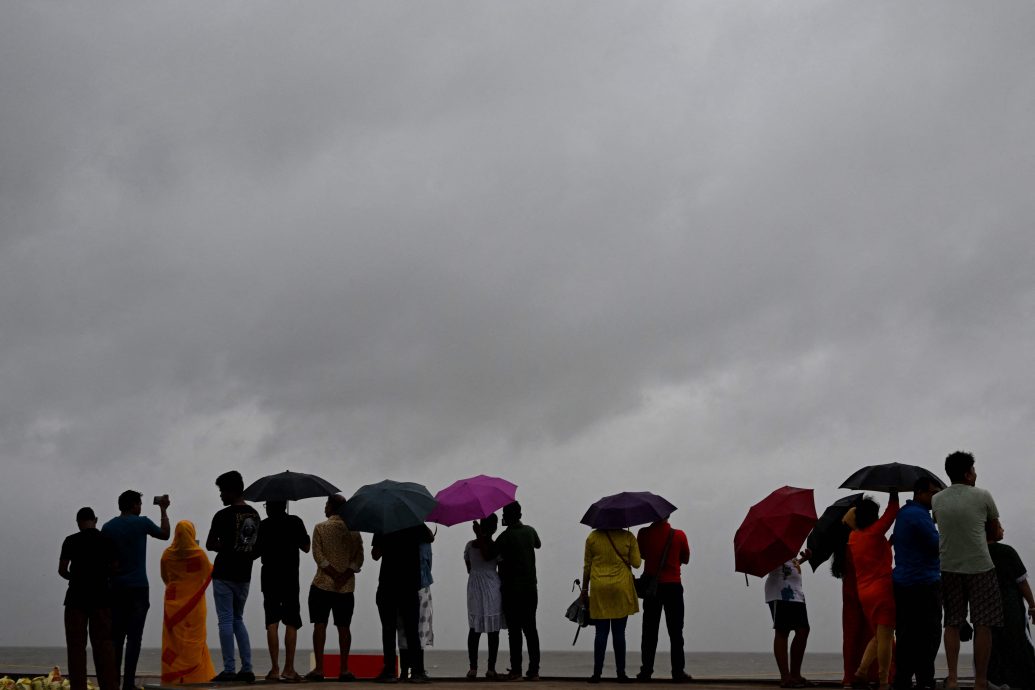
x=774 y=530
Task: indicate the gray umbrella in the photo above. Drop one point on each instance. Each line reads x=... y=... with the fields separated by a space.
x=387 y=506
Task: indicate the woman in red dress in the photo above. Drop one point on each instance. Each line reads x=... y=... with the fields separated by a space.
x=871 y=558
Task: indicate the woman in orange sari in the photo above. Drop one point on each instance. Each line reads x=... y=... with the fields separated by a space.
x=186 y=572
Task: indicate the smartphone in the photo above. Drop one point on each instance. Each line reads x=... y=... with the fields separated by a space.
x=158 y=499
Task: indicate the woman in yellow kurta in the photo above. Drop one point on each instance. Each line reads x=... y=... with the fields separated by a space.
x=607 y=578
x=186 y=572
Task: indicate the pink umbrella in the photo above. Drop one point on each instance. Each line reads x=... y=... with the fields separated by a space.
x=471 y=499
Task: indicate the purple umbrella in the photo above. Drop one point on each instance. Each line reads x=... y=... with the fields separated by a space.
x=627 y=509
x=473 y=498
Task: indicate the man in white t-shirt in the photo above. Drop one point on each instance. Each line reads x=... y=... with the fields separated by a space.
x=786 y=599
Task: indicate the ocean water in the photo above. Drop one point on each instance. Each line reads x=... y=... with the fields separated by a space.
x=453 y=663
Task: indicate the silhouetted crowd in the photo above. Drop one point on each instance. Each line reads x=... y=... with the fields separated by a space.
x=944 y=575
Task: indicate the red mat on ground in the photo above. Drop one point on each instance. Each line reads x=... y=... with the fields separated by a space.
x=361 y=665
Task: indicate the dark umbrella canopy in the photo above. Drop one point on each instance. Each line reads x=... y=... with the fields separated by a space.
x=892 y=476
x=829 y=534
x=387 y=506
x=774 y=530
x=627 y=509
x=288 y=486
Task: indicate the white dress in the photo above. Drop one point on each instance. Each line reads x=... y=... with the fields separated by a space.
x=484 y=601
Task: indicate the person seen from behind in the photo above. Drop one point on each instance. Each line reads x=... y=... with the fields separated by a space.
x=87 y=561
x=609 y=559
x=425 y=617
x=664 y=550
x=281 y=537
x=786 y=599
x=397 y=598
x=186 y=572
x=130 y=594
x=516 y=547
x=338 y=552
x=918 y=595
x=871 y=556
x=233 y=536
x=484 y=601
x=1012 y=662
x=963 y=512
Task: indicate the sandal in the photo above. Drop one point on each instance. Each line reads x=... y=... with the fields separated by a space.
x=491 y=675
x=273 y=675
x=290 y=678
x=347 y=677
x=472 y=674
x=313 y=677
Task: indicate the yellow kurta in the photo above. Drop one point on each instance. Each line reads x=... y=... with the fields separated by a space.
x=611 y=590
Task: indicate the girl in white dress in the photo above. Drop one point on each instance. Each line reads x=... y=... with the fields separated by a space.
x=484 y=602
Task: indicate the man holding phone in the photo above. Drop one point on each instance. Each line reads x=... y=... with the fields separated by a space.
x=130 y=595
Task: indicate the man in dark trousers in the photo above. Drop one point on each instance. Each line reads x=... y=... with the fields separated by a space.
x=918 y=594
x=397 y=597
x=516 y=547
x=87 y=562
x=233 y=536
x=130 y=593
x=281 y=537
x=664 y=550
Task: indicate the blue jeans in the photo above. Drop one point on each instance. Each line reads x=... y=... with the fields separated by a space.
x=617 y=628
x=229 y=598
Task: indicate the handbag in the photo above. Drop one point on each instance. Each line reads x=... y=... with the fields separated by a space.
x=578 y=612
x=647 y=584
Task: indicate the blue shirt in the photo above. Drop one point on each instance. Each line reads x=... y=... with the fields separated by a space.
x=915 y=540
x=130 y=532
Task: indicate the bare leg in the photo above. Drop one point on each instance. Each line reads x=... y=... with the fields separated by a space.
x=868 y=657
x=345 y=644
x=290 y=640
x=273 y=643
x=885 y=636
x=982 y=652
x=952 y=656
x=780 y=652
x=801 y=639
x=319 y=640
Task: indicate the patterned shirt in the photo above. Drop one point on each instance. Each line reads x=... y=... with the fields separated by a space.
x=334 y=544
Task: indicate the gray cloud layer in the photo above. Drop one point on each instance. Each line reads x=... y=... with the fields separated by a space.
x=705 y=249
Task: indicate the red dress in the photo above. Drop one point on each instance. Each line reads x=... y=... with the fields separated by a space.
x=871 y=558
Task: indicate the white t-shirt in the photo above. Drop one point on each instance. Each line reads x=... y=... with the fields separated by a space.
x=784 y=584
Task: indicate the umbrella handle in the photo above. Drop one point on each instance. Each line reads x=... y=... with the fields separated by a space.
x=746 y=583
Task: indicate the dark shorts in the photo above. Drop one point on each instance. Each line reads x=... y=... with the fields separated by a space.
x=789 y=615
x=280 y=603
x=322 y=602
x=980 y=591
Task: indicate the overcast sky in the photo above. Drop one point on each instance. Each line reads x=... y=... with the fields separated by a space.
x=700 y=248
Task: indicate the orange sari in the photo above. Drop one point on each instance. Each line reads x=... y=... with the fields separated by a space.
x=186 y=572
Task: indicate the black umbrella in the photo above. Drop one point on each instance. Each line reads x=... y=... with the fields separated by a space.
x=289 y=486
x=829 y=534
x=892 y=476
x=627 y=509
